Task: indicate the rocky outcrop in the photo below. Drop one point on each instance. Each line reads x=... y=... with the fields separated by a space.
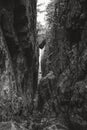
x=18 y=24
x=65 y=55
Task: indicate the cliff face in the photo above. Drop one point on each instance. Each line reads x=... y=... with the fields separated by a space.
x=18 y=24
x=65 y=55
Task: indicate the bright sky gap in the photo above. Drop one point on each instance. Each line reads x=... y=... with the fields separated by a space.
x=41 y=17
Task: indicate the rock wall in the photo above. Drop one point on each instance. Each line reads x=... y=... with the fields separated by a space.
x=66 y=56
x=18 y=24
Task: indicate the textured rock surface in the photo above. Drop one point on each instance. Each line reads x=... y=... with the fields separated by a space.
x=18 y=24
